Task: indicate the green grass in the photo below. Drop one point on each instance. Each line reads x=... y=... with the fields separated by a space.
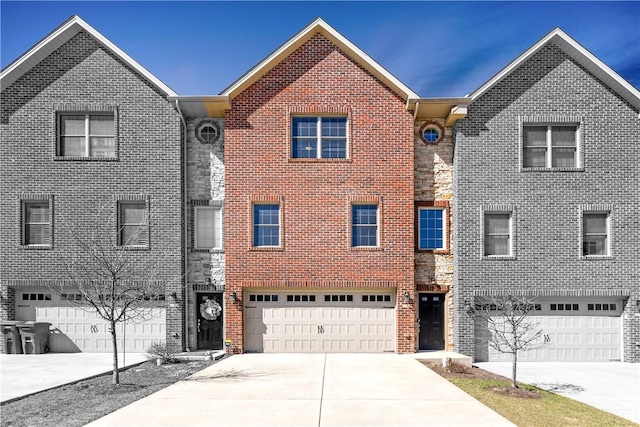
x=551 y=410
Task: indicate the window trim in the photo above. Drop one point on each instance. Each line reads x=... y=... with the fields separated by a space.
x=146 y=233
x=549 y=122
x=434 y=205
x=87 y=111
x=25 y=199
x=595 y=210
x=319 y=117
x=504 y=210
x=252 y=225
x=352 y=225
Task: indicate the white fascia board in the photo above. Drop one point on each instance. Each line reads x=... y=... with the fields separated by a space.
x=284 y=50
x=577 y=52
x=57 y=38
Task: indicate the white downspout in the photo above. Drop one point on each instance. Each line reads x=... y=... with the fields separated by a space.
x=186 y=215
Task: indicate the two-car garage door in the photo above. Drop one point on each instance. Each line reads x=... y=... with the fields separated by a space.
x=572 y=330
x=329 y=321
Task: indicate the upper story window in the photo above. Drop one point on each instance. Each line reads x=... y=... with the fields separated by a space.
x=208 y=227
x=432 y=228
x=36 y=223
x=133 y=224
x=595 y=234
x=86 y=135
x=497 y=234
x=364 y=225
x=266 y=225
x=550 y=146
x=321 y=137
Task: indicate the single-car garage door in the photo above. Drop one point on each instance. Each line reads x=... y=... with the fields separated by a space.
x=73 y=329
x=327 y=321
x=588 y=331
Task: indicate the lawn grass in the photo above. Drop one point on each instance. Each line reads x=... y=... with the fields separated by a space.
x=85 y=401
x=551 y=410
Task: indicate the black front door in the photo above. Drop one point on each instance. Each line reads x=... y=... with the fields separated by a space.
x=209 y=309
x=431 y=322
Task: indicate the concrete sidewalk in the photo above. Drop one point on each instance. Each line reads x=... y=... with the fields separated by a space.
x=309 y=390
x=25 y=374
x=611 y=386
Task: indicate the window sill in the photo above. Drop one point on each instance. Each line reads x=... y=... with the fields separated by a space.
x=266 y=249
x=433 y=251
x=134 y=248
x=597 y=257
x=545 y=169
x=499 y=258
x=36 y=247
x=85 y=159
x=303 y=160
x=365 y=248
x=213 y=250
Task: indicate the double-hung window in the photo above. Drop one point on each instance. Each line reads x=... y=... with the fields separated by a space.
x=36 y=223
x=550 y=146
x=595 y=234
x=133 y=228
x=266 y=225
x=364 y=225
x=432 y=229
x=86 y=135
x=497 y=234
x=319 y=137
x=208 y=227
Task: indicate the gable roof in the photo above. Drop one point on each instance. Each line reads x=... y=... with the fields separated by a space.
x=581 y=55
x=57 y=38
x=318 y=27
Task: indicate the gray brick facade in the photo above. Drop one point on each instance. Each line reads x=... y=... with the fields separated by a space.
x=547 y=253
x=82 y=75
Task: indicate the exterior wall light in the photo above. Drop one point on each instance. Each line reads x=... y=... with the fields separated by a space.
x=406 y=297
x=233 y=297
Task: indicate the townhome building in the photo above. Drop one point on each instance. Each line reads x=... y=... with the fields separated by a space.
x=318 y=204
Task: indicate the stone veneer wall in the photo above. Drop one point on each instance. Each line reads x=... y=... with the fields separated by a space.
x=205 y=187
x=433 y=164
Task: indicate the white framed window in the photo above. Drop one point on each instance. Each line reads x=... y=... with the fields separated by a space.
x=365 y=230
x=266 y=225
x=550 y=146
x=207 y=227
x=595 y=234
x=86 y=135
x=36 y=223
x=319 y=137
x=498 y=232
x=432 y=228
x=133 y=224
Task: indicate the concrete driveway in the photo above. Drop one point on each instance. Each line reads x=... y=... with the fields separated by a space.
x=24 y=374
x=309 y=390
x=611 y=386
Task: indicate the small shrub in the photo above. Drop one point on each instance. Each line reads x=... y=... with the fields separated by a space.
x=159 y=350
x=456 y=367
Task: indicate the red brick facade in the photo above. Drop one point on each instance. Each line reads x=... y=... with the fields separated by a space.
x=315 y=195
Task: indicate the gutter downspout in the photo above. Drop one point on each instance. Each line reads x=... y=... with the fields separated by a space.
x=185 y=213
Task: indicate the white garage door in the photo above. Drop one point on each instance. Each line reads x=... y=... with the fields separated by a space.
x=73 y=329
x=588 y=331
x=320 y=322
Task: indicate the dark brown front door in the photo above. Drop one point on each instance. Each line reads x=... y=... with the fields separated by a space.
x=431 y=322
x=209 y=309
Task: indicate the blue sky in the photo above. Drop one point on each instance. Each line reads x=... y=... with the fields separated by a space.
x=436 y=48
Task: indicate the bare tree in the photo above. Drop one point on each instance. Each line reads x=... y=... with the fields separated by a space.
x=509 y=326
x=116 y=284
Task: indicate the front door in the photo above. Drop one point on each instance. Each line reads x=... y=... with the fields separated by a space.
x=209 y=309
x=431 y=312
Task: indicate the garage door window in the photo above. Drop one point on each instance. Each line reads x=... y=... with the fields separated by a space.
x=301 y=298
x=36 y=297
x=263 y=298
x=565 y=307
x=374 y=298
x=602 y=307
x=338 y=298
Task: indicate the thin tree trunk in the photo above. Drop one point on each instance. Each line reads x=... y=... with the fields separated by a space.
x=514 y=368
x=116 y=373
